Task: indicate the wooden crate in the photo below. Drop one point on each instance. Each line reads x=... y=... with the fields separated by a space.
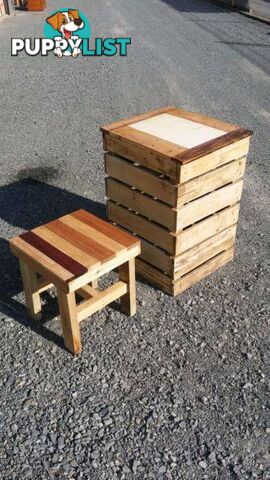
x=174 y=178
x=36 y=5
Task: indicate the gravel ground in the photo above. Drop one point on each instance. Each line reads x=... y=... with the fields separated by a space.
x=180 y=390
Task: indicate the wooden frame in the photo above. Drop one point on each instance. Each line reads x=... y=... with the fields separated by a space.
x=71 y=313
x=72 y=253
x=165 y=156
x=175 y=180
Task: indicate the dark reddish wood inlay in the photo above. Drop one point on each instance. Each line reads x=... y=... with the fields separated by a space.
x=54 y=254
x=213 y=145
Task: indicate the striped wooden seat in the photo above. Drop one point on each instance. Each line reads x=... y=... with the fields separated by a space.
x=71 y=253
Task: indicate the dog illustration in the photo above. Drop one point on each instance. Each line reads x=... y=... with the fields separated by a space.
x=66 y=23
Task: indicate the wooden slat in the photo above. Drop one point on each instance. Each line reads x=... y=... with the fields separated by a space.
x=209 y=204
x=99 y=301
x=36 y=257
x=96 y=272
x=166 y=148
x=44 y=285
x=139 y=202
x=154 y=276
x=204 y=120
x=210 y=181
x=66 y=246
x=86 y=244
x=136 y=118
x=149 y=157
x=206 y=228
x=212 y=145
x=123 y=238
x=87 y=292
x=201 y=272
x=157 y=257
x=213 y=160
x=53 y=253
x=141 y=178
x=202 y=252
x=103 y=240
x=143 y=227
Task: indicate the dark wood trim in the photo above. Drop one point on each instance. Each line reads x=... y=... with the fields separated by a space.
x=54 y=254
x=212 y=145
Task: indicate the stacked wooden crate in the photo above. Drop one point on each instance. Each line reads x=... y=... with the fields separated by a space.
x=36 y=5
x=175 y=180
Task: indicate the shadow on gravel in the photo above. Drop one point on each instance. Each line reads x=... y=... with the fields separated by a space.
x=246 y=44
x=197 y=6
x=26 y=204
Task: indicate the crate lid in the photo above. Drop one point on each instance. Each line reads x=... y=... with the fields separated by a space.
x=180 y=135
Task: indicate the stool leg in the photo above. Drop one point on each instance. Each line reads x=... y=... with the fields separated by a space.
x=30 y=285
x=127 y=275
x=94 y=283
x=70 y=324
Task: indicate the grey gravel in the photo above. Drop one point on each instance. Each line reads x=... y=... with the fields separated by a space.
x=180 y=390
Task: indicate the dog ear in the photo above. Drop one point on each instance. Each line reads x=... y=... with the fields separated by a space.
x=53 y=21
x=75 y=13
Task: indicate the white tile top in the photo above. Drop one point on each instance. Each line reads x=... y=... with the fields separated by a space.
x=180 y=131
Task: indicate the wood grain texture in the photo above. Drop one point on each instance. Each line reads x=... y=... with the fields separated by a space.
x=213 y=145
x=65 y=246
x=209 y=204
x=145 y=228
x=31 y=291
x=204 y=229
x=141 y=203
x=210 y=181
x=153 y=143
x=163 y=281
x=54 y=254
x=112 y=293
x=86 y=244
x=127 y=275
x=137 y=143
x=144 y=154
x=204 y=120
x=214 y=160
x=178 y=131
x=154 y=275
x=69 y=320
x=202 y=271
x=136 y=118
x=200 y=253
x=123 y=238
x=96 y=272
x=141 y=178
x=157 y=257
x=93 y=234
x=87 y=292
x=39 y=262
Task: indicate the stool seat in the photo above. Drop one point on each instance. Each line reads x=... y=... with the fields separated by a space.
x=70 y=253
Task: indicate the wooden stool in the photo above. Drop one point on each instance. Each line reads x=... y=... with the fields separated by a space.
x=72 y=253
